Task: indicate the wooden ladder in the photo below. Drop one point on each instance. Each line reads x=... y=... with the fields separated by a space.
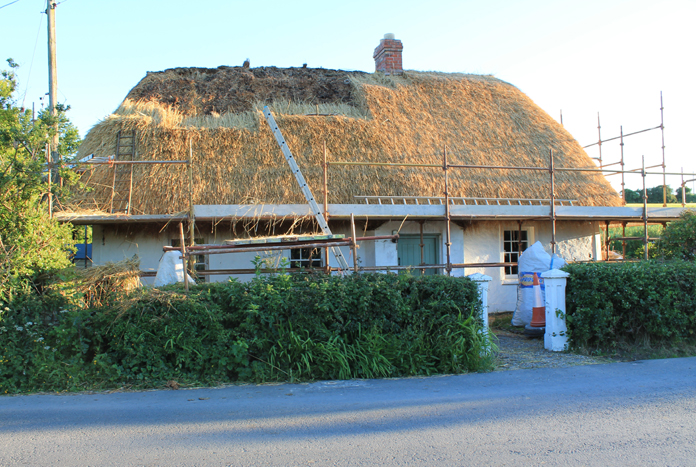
x=122 y=186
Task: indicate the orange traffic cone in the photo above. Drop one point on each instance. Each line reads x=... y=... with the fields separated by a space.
x=538 y=310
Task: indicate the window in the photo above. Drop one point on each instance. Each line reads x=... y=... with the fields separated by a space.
x=199 y=261
x=305 y=258
x=514 y=242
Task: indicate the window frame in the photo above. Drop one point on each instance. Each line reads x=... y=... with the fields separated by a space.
x=305 y=256
x=529 y=231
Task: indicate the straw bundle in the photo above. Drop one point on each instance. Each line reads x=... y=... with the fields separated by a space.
x=411 y=118
x=100 y=283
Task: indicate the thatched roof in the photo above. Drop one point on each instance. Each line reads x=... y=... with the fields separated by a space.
x=410 y=118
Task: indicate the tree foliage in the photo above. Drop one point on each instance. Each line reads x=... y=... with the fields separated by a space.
x=655 y=195
x=678 y=240
x=688 y=195
x=31 y=244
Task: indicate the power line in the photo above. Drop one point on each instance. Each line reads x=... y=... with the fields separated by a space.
x=8 y=4
x=31 y=65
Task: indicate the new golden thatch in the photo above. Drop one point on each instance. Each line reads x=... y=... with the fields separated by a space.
x=366 y=117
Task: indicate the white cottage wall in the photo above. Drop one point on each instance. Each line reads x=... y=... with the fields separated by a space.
x=116 y=244
x=483 y=243
x=477 y=242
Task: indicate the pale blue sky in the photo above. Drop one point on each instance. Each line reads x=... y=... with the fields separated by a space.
x=611 y=56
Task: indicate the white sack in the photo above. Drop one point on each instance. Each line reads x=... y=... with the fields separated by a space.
x=170 y=270
x=533 y=259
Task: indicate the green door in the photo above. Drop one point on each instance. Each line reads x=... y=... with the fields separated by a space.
x=409 y=251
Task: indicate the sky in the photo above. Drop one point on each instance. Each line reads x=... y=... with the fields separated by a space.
x=575 y=58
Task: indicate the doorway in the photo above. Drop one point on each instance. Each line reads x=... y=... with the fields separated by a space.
x=409 y=251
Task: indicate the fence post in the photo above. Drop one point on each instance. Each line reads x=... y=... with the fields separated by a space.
x=482 y=282
x=556 y=335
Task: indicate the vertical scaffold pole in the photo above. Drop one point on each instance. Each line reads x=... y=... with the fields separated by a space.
x=683 y=188
x=623 y=184
x=599 y=141
x=448 y=243
x=607 y=238
x=182 y=240
x=519 y=239
x=422 y=255
x=326 y=205
x=664 y=167
x=645 y=212
x=553 y=202
x=192 y=221
x=355 y=243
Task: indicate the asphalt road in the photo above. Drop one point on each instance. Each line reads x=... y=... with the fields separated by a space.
x=639 y=413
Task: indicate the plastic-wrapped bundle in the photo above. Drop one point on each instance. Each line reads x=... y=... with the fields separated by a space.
x=533 y=259
x=170 y=270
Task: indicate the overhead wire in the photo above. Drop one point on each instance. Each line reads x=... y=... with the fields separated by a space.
x=8 y=4
x=33 y=55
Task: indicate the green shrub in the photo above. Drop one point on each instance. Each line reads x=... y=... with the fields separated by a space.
x=679 y=237
x=43 y=343
x=615 y=303
x=635 y=249
x=275 y=328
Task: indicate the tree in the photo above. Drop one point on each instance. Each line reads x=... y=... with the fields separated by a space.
x=634 y=196
x=32 y=246
x=679 y=237
x=690 y=197
x=655 y=195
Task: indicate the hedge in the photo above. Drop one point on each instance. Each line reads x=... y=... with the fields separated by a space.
x=273 y=328
x=610 y=304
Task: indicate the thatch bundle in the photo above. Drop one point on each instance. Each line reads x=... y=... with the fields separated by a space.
x=98 y=284
x=410 y=118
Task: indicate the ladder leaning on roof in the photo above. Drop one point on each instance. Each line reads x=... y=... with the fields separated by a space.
x=318 y=215
x=122 y=182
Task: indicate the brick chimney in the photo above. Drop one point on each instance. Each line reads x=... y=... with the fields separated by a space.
x=388 y=55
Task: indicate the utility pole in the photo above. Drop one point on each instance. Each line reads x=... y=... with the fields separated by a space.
x=52 y=84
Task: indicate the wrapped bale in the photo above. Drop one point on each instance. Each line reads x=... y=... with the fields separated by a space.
x=534 y=260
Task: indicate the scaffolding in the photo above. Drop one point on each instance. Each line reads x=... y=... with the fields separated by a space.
x=445 y=200
x=642 y=169
x=448 y=201
x=621 y=161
